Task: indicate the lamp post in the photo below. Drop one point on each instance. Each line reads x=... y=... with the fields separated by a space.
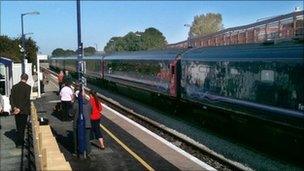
x=23 y=37
x=189 y=38
x=25 y=34
x=80 y=68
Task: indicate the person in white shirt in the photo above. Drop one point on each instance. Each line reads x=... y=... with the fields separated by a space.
x=66 y=97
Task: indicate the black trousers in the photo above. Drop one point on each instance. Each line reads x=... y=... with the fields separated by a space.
x=41 y=87
x=96 y=128
x=21 y=120
x=66 y=109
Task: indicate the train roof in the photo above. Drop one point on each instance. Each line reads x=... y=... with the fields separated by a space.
x=93 y=57
x=282 y=50
x=62 y=57
x=145 y=55
x=75 y=57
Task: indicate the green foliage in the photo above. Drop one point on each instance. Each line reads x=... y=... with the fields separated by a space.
x=58 y=52
x=151 y=38
x=205 y=24
x=9 y=48
x=132 y=42
x=31 y=50
x=70 y=52
x=89 y=51
x=62 y=52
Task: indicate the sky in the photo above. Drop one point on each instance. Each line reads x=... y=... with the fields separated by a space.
x=56 y=26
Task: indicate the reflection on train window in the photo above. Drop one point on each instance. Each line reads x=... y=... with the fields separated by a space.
x=267 y=76
x=234 y=71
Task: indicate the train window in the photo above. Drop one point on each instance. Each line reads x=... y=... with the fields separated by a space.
x=267 y=76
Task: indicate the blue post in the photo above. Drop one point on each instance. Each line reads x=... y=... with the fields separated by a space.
x=81 y=126
x=81 y=120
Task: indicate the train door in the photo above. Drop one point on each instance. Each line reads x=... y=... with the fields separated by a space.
x=175 y=71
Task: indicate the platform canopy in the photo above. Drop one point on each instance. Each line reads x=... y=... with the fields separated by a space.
x=8 y=63
x=5 y=61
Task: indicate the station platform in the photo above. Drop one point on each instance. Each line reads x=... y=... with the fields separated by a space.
x=128 y=145
x=11 y=158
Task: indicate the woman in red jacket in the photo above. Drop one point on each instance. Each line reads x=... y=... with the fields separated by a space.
x=95 y=117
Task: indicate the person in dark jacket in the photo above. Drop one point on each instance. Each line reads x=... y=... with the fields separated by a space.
x=86 y=113
x=67 y=79
x=21 y=106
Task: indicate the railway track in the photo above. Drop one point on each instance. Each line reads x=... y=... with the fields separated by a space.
x=189 y=145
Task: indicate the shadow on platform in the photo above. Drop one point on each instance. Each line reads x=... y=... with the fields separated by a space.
x=56 y=92
x=58 y=113
x=65 y=141
x=12 y=134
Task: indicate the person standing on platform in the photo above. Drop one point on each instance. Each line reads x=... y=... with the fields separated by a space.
x=41 y=79
x=21 y=106
x=87 y=109
x=67 y=79
x=60 y=79
x=95 y=117
x=66 y=97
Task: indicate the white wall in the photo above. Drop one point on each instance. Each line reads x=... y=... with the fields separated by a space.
x=17 y=71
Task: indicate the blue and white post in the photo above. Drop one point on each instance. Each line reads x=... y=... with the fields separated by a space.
x=80 y=68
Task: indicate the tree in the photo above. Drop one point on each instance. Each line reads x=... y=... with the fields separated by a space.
x=110 y=47
x=69 y=52
x=89 y=51
x=58 y=52
x=61 y=52
x=31 y=50
x=205 y=24
x=151 y=38
x=10 y=48
x=132 y=42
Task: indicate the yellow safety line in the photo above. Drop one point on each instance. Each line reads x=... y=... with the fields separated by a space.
x=146 y=165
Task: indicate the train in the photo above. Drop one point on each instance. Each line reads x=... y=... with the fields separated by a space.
x=260 y=80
